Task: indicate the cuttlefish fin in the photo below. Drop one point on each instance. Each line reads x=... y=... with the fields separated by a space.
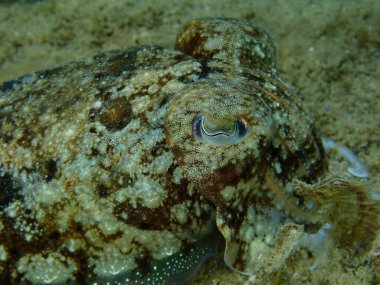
x=349 y=206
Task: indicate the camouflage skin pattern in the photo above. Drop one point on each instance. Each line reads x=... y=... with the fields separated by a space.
x=122 y=159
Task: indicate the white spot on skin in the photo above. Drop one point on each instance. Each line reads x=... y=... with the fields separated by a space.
x=259 y=51
x=172 y=86
x=277 y=167
x=12 y=209
x=53 y=269
x=270 y=86
x=177 y=175
x=69 y=132
x=180 y=213
x=3 y=253
x=45 y=193
x=146 y=192
x=228 y=193
x=111 y=262
x=214 y=43
x=153 y=89
x=74 y=244
x=97 y=104
x=141 y=104
x=161 y=163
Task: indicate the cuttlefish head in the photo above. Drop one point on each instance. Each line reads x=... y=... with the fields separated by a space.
x=219 y=131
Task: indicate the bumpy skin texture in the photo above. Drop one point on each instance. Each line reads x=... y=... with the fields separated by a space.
x=103 y=165
x=242 y=82
x=87 y=173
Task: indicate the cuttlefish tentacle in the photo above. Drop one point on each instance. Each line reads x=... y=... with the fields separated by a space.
x=251 y=253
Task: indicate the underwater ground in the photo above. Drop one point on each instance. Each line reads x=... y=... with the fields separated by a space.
x=329 y=50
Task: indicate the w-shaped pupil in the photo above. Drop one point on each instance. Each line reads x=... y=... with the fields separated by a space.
x=218 y=132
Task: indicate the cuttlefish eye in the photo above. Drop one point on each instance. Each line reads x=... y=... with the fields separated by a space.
x=219 y=132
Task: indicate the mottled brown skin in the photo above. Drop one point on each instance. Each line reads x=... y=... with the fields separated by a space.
x=282 y=151
x=101 y=158
x=52 y=120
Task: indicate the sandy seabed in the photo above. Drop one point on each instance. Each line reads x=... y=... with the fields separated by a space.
x=329 y=50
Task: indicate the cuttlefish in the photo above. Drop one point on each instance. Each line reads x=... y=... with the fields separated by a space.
x=116 y=163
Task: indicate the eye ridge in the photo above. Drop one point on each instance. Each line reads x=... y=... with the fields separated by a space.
x=218 y=138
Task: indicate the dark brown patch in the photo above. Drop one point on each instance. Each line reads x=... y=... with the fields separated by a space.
x=157 y=150
x=193 y=43
x=125 y=61
x=142 y=217
x=102 y=191
x=49 y=169
x=53 y=72
x=16 y=247
x=92 y=130
x=6 y=137
x=115 y=115
x=8 y=191
x=110 y=148
x=85 y=270
x=143 y=261
x=128 y=61
x=11 y=85
x=94 y=151
x=230 y=174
